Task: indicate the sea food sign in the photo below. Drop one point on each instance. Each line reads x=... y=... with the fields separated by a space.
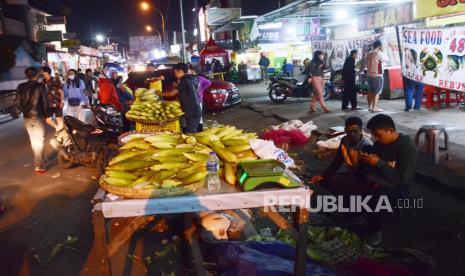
x=435 y=56
x=428 y=8
x=395 y=15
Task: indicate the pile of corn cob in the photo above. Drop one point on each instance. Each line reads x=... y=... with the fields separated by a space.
x=148 y=107
x=170 y=160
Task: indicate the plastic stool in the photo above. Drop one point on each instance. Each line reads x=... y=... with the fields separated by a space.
x=432 y=134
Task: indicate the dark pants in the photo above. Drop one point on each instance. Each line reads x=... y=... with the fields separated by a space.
x=413 y=90
x=192 y=124
x=347 y=185
x=349 y=95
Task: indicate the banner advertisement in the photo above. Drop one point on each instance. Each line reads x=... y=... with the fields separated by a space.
x=337 y=50
x=435 y=56
x=428 y=8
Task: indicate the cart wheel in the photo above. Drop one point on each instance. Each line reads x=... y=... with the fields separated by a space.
x=277 y=94
x=104 y=156
x=65 y=160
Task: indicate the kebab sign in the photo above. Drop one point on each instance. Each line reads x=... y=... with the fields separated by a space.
x=435 y=56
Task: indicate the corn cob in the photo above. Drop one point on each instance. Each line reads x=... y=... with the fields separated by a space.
x=172 y=152
x=235 y=142
x=131 y=165
x=117 y=181
x=198 y=176
x=137 y=143
x=238 y=148
x=230 y=173
x=120 y=174
x=196 y=157
x=125 y=155
x=168 y=166
x=163 y=145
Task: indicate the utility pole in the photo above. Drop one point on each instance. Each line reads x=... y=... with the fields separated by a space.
x=183 y=50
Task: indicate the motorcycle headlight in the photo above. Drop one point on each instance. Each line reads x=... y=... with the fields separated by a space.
x=218 y=91
x=113 y=112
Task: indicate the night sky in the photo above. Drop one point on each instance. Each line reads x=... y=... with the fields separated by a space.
x=120 y=18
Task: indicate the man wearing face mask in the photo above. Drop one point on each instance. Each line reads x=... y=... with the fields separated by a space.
x=56 y=98
x=107 y=90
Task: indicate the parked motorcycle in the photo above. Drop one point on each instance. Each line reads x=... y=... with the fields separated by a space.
x=83 y=143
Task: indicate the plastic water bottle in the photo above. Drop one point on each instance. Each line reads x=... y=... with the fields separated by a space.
x=213 y=167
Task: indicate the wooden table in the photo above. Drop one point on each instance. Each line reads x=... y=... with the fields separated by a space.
x=134 y=214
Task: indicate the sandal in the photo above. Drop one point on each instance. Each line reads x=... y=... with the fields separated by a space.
x=40 y=171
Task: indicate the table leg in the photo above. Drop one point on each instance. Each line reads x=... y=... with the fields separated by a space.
x=125 y=235
x=279 y=220
x=300 y=222
x=191 y=238
x=97 y=262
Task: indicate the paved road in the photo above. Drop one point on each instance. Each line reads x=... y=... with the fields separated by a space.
x=43 y=210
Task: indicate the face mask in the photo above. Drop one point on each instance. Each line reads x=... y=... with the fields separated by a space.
x=71 y=77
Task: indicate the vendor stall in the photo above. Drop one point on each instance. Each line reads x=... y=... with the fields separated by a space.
x=213 y=51
x=164 y=173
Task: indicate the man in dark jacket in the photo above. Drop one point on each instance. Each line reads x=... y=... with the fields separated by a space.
x=32 y=100
x=190 y=103
x=391 y=166
x=350 y=89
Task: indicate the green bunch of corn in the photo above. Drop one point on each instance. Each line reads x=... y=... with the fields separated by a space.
x=148 y=107
x=158 y=161
x=170 y=160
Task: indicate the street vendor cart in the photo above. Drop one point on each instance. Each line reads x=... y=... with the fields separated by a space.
x=158 y=174
x=134 y=214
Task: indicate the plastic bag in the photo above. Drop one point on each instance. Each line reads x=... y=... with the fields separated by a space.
x=267 y=150
x=332 y=143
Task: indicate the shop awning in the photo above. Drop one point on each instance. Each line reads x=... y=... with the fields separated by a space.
x=212 y=49
x=234 y=24
x=326 y=9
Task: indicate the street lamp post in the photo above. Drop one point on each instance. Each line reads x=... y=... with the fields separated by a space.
x=150 y=29
x=146 y=6
x=183 y=50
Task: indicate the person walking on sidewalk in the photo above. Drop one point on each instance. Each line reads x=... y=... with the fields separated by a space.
x=374 y=61
x=316 y=68
x=413 y=89
x=56 y=98
x=264 y=64
x=74 y=89
x=32 y=100
x=350 y=89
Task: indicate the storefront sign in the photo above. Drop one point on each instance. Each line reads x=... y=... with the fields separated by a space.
x=88 y=51
x=49 y=36
x=428 y=8
x=395 y=15
x=289 y=30
x=435 y=56
x=71 y=43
